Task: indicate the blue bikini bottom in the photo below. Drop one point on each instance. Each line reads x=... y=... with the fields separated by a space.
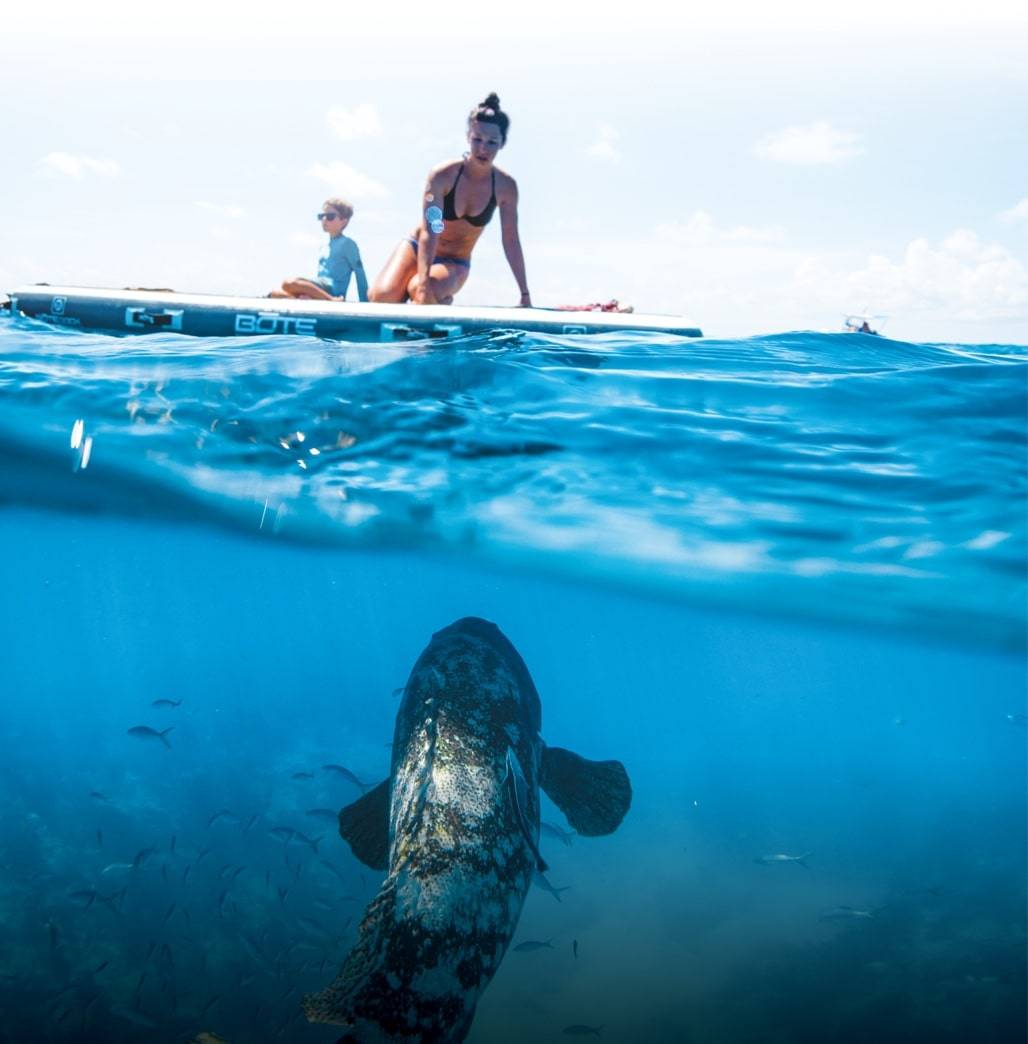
x=462 y=262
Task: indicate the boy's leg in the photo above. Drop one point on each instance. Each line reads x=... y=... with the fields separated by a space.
x=306 y=288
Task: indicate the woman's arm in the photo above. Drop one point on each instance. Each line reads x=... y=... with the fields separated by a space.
x=512 y=242
x=435 y=190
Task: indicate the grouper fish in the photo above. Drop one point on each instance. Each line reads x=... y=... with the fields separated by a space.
x=456 y=825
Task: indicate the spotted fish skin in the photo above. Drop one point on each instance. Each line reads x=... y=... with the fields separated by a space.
x=459 y=862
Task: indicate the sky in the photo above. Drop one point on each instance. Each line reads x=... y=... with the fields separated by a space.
x=756 y=168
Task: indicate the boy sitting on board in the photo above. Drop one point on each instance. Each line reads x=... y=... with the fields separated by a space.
x=339 y=260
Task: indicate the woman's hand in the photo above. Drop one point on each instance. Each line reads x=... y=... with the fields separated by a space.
x=526 y=299
x=423 y=295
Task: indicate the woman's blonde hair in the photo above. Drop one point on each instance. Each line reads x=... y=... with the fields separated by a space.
x=344 y=208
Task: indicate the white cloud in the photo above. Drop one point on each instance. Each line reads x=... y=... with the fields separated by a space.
x=226 y=210
x=1018 y=212
x=961 y=278
x=605 y=147
x=735 y=279
x=64 y=163
x=362 y=121
x=701 y=231
x=815 y=144
x=342 y=178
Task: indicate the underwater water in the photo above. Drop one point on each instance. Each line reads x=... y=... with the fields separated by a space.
x=781 y=579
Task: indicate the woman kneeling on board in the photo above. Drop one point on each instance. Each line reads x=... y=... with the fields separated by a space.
x=434 y=262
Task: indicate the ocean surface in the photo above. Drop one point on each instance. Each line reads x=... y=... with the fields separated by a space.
x=782 y=579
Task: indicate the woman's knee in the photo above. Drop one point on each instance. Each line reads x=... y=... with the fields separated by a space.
x=385 y=294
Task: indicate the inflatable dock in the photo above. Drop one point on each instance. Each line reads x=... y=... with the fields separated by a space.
x=141 y=311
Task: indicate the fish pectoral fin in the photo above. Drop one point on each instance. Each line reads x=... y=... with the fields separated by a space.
x=364 y=826
x=594 y=795
x=517 y=807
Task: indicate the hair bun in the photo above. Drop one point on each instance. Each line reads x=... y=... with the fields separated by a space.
x=489 y=111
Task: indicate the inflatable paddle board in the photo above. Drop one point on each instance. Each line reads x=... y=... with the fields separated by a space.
x=209 y=315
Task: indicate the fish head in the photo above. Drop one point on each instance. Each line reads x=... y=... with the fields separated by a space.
x=496 y=654
x=468 y=698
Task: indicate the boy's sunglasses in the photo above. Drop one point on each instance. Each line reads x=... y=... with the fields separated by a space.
x=329 y=215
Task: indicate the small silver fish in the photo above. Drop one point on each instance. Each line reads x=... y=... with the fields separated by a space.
x=552 y=830
x=540 y=881
x=141 y=857
x=341 y=770
x=223 y=813
x=846 y=913
x=531 y=945
x=145 y=732
x=166 y=703
x=313 y=842
x=287 y=835
x=781 y=857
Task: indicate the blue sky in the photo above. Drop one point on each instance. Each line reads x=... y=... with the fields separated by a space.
x=756 y=169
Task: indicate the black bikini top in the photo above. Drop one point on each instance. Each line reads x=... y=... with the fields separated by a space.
x=478 y=220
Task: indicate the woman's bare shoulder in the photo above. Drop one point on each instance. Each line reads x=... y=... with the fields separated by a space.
x=444 y=170
x=506 y=186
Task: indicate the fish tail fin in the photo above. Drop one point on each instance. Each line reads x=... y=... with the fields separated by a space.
x=164 y=736
x=557 y=891
x=317 y=841
x=803 y=860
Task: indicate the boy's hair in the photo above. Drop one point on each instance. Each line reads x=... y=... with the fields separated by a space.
x=344 y=208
